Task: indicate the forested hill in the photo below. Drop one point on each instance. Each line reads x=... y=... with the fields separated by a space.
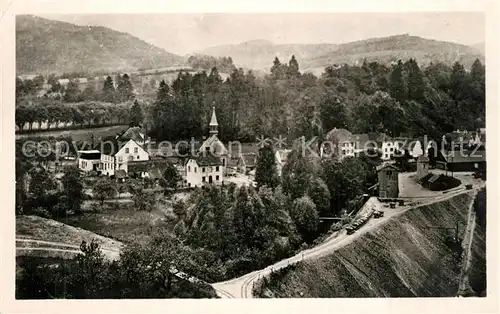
x=392 y=48
x=258 y=53
x=46 y=46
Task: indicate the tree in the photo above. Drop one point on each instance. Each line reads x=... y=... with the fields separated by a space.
x=320 y=195
x=89 y=93
x=306 y=217
x=73 y=188
x=265 y=172
x=397 y=85
x=144 y=200
x=415 y=83
x=136 y=115
x=104 y=189
x=72 y=93
x=293 y=67
x=125 y=90
x=108 y=90
x=297 y=174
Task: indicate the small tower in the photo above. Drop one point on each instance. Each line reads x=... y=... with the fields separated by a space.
x=214 y=126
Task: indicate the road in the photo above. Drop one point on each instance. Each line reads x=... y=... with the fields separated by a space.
x=242 y=287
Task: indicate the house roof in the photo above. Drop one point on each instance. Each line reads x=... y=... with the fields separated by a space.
x=339 y=135
x=135 y=133
x=232 y=162
x=422 y=158
x=109 y=145
x=213 y=121
x=207 y=160
x=215 y=144
x=387 y=166
x=250 y=160
x=464 y=156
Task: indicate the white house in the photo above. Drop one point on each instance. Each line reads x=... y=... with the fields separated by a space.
x=131 y=151
x=203 y=170
x=388 y=149
x=108 y=156
x=89 y=160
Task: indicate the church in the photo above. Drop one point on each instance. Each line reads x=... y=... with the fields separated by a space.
x=210 y=164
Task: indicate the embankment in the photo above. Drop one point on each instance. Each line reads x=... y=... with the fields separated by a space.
x=411 y=255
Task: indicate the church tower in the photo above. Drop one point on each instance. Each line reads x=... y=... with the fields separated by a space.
x=214 y=126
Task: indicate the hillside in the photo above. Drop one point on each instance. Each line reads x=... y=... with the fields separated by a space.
x=404 y=258
x=47 y=46
x=260 y=54
x=481 y=47
x=392 y=48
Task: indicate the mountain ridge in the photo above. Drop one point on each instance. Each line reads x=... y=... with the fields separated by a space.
x=47 y=46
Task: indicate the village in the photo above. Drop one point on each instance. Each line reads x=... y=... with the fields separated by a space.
x=130 y=154
x=255 y=168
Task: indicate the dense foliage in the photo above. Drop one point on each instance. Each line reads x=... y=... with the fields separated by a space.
x=372 y=97
x=141 y=272
x=204 y=62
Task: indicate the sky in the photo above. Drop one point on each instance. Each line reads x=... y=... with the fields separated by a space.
x=187 y=33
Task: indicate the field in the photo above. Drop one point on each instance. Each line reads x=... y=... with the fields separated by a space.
x=406 y=257
x=35 y=232
x=121 y=222
x=80 y=134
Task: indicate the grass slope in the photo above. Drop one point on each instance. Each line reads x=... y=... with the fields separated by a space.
x=46 y=46
x=403 y=258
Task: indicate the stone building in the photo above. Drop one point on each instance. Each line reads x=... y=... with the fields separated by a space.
x=388 y=185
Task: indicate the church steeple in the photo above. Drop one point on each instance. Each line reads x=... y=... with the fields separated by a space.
x=214 y=126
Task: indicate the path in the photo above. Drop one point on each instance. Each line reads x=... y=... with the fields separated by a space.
x=464 y=286
x=242 y=287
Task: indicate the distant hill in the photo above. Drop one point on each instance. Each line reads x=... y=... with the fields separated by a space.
x=260 y=54
x=481 y=47
x=47 y=46
x=392 y=48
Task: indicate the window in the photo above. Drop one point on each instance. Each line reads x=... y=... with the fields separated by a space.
x=223 y=162
x=130 y=157
x=203 y=169
x=120 y=159
x=392 y=149
x=136 y=150
x=137 y=156
x=217 y=178
x=189 y=184
x=386 y=149
x=195 y=169
x=202 y=179
x=126 y=150
x=189 y=168
x=217 y=168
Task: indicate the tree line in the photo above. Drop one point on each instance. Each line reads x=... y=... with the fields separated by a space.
x=397 y=99
x=72 y=92
x=55 y=112
x=204 y=62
